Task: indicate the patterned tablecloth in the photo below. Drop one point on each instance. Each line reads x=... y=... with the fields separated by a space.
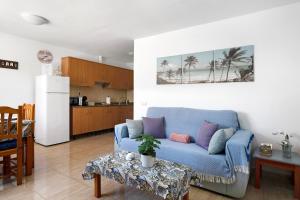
x=166 y=179
x=26 y=128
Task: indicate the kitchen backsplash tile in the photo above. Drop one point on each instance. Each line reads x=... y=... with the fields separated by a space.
x=129 y=94
x=98 y=94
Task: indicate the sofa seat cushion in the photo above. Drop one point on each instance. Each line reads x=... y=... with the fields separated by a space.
x=189 y=154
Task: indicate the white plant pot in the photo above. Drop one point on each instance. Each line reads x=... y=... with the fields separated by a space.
x=147 y=161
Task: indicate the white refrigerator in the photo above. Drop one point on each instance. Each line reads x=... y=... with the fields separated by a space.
x=52 y=110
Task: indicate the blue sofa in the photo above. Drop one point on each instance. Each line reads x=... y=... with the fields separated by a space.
x=226 y=173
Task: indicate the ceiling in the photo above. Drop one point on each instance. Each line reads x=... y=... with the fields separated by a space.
x=108 y=27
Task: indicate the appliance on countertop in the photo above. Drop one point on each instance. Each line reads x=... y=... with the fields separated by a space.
x=74 y=101
x=78 y=101
x=84 y=101
x=52 y=109
x=91 y=103
x=108 y=100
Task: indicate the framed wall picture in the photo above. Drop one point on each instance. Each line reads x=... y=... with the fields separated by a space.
x=9 y=64
x=234 y=64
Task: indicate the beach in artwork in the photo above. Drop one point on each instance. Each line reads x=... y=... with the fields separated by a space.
x=169 y=70
x=223 y=65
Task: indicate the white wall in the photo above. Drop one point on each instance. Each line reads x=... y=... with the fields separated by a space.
x=269 y=104
x=17 y=86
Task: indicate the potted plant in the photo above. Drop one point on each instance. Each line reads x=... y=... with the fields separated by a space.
x=147 y=149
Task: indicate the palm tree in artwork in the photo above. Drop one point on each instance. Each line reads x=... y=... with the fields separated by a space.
x=179 y=73
x=252 y=62
x=170 y=73
x=234 y=55
x=163 y=64
x=221 y=65
x=247 y=74
x=191 y=61
x=211 y=66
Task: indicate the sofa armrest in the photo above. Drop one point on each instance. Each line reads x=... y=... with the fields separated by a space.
x=238 y=149
x=121 y=131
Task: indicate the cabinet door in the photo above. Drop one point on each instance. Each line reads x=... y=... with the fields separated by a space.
x=115 y=77
x=123 y=80
x=120 y=78
x=78 y=70
x=109 y=117
x=81 y=71
x=129 y=112
x=96 y=119
x=101 y=73
x=126 y=113
x=80 y=120
x=130 y=80
x=117 y=115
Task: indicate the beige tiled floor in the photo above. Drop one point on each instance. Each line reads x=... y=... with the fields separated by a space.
x=57 y=176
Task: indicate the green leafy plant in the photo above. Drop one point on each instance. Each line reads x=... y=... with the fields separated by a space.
x=148 y=145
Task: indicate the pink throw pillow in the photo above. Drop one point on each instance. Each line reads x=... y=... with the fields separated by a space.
x=177 y=137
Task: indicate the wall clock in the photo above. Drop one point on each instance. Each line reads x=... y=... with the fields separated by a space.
x=45 y=56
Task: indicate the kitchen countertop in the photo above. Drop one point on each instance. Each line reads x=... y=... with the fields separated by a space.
x=104 y=105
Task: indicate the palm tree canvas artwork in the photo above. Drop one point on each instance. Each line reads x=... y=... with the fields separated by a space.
x=169 y=70
x=234 y=64
x=197 y=67
x=224 y=65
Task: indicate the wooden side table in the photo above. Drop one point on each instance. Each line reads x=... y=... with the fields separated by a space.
x=278 y=161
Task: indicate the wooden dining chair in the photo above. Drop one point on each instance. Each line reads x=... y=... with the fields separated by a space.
x=29 y=114
x=11 y=143
x=29 y=111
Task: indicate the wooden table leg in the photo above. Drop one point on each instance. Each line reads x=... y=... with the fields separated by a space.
x=29 y=153
x=297 y=182
x=32 y=153
x=32 y=135
x=186 y=196
x=20 y=164
x=97 y=185
x=257 y=173
x=6 y=165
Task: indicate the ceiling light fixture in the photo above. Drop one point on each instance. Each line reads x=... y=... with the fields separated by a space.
x=34 y=19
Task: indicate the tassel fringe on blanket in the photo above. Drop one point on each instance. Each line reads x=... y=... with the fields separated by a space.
x=241 y=169
x=199 y=178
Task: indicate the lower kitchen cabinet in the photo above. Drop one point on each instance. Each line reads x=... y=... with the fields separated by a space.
x=90 y=119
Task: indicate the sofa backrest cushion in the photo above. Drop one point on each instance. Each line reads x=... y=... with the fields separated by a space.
x=189 y=120
x=154 y=127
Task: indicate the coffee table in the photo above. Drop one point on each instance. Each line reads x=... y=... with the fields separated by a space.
x=166 y=179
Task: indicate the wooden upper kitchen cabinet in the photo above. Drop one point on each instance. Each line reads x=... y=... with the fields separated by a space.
x=78 y=70
x=118 y=78
x=101 y=73
x=130 y=79
x=88 y=73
